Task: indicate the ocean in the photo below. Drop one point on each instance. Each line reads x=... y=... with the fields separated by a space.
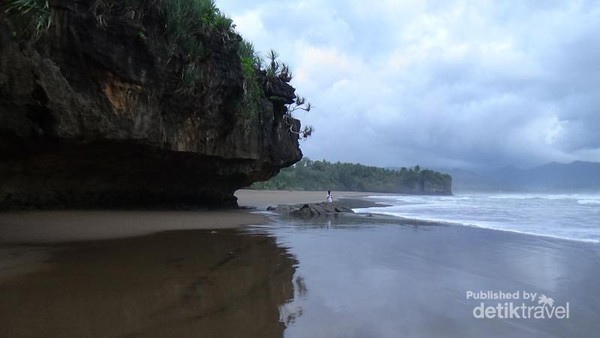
x=387 y=279
x=566 y=216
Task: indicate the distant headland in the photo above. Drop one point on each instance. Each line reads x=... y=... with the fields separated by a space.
x=323 y=175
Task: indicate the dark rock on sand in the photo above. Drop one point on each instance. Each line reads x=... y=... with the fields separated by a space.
x=311 y=210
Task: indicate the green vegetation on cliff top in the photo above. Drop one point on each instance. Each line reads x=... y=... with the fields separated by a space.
x=186 y=23
x=323 y=175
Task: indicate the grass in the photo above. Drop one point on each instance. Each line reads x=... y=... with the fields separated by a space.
x=187 y=20
x=37 y=15
x=253 y=92
x=251 y=64
x=276 y=68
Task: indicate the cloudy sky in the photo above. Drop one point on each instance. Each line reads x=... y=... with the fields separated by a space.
x=441 y=83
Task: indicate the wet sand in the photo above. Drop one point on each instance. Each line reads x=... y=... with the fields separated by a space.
x=392 y=280
x=170 y=284
x=29 y=238
x=142 y=273
x=160 y=274
x=71 y=226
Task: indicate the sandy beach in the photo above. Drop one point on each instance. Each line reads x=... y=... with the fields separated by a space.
x=57 y=247
x=263 y=198
x=28 y=238
x=70 y=226
x=179 y=273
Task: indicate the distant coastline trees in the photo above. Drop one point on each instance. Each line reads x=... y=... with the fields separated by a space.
x=322 y=175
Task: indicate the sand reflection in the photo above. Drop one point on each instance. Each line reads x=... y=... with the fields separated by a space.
x=183 y=283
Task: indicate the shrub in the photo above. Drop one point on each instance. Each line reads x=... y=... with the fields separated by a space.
x=253 y=91
x=37 y=15
x=186 y=20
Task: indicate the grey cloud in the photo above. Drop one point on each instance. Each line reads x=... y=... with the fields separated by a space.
x=448 y=84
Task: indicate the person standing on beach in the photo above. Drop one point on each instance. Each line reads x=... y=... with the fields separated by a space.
x=329 y=197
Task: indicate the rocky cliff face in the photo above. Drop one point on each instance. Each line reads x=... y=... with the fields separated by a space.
x=96 y=113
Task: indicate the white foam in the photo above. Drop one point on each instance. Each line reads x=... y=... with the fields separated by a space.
x=484 y=225
x=589 y=202
x=586 y=240
x=519 y=213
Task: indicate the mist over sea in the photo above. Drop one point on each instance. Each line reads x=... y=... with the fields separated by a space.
x=566 y=216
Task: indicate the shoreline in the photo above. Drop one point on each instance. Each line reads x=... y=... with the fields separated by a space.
x=265 y=198
x=420 y=276
x=67 y=226
x=30 y=238
x=161 y=270
x=376 y=218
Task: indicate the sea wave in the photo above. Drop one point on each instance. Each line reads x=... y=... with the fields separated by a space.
x=526 y=214
x=532 y=197
x=483 y=225
x=418 y=198
x=537 y=234
x=576 y=197
x=589 y=202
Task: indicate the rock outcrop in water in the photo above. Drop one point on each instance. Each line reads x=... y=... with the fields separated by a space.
x=96 y=112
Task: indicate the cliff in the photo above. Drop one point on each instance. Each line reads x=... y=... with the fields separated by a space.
x=425 y=182
x=104 y=108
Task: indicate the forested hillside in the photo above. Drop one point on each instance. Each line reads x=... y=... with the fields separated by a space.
x=323 y=175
